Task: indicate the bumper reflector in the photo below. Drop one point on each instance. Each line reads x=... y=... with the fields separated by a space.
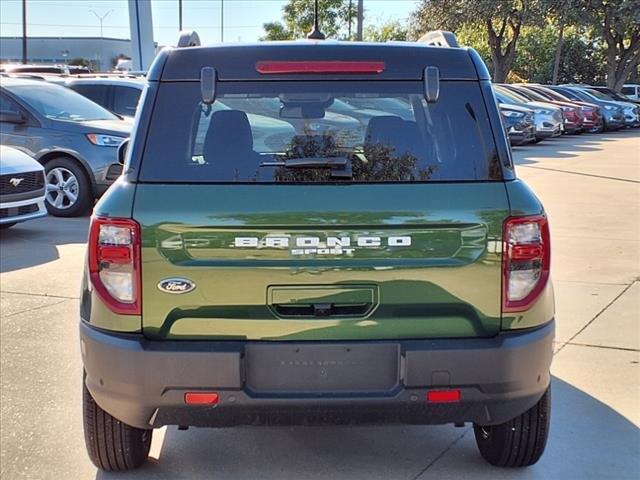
x=201 y=398
x=443 y=396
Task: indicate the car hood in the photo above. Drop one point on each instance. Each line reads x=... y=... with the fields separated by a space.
x=120 y=128
x=545 y=105
x=15 y=161
x=515 y=108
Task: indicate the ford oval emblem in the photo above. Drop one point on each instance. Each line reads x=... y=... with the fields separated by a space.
x=176 y=285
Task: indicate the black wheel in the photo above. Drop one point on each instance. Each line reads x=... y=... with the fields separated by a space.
x=519 y=442
x=69 y=192
x=6 y=225
x=111 y=444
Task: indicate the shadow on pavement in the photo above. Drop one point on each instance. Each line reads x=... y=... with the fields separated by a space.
x=36 y=242
x=588 y=440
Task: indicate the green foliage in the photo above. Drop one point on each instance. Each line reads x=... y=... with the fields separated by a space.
x=535 y=54
x=298 y=18
x=393 y=30
x=80 y=61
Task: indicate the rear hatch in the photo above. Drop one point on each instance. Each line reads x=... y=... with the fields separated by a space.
x=307 y=233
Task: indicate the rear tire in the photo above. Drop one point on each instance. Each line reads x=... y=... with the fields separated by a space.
x=111 y=444
x=520 y=442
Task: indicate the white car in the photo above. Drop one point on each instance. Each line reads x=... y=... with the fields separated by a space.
x=631 y=90
x=22 y=187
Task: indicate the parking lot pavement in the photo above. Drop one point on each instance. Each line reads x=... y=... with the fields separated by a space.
x=590 y=186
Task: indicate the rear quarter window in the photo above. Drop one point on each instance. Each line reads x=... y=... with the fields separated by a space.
x=306 y=132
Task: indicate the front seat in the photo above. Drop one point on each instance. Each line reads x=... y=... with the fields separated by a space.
x=228 y=147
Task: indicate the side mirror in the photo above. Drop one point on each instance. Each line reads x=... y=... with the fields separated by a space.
x=122 y=151
x=9 y=116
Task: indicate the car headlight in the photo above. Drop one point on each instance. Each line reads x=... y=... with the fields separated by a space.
x=511 y=114
x=567 y=109
x=543 y=111
x=611 y=108
x=105 y=140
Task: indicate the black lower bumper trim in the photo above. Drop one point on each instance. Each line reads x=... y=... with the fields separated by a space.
x=143 y=383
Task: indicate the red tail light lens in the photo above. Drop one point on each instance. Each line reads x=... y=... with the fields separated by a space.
x=526 y=261
x=114 y=263
x=443 y=396
x=201 y=398
x=333 y=66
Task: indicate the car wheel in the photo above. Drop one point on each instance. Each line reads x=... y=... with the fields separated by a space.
x=69 y=192
x=519 y=442
x=111 y=444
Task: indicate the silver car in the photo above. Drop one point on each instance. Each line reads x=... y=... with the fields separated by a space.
x=22 y=189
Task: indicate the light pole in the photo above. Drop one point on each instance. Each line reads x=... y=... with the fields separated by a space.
x=221 y=21
x=101 y=19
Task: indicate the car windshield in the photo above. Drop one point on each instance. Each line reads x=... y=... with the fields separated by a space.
x=599 y=94
x=59 y=103
x=286 y=132
x=555 y=95
x=512 y=97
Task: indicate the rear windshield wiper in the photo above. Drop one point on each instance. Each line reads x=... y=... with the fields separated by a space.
x=340 y=166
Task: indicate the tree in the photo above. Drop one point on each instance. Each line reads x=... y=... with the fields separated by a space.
x=80 y=61
x=393 y=30
x=502 y=21
x=298 y=16
x=618 y=24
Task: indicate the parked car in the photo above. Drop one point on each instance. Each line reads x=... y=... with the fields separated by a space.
x=613 y=95
x=573 y=116
x=118 y=94
x=74 y=138
x=548 y=119
x=519 y=123
x=593 y=121
x=403 y=280
x=631 y=91
x=22 y=188
x=612 y=114
x=28 y=68
x=630 y=110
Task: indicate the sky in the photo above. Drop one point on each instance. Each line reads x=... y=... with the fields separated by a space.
x=243 y=19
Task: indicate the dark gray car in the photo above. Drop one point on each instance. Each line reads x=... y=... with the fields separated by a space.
x=74 y=138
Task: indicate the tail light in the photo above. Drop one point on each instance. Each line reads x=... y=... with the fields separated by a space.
x=526 y=260
x=114 y=263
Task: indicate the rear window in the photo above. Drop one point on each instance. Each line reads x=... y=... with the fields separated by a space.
x=629 y=90
x=298 y=132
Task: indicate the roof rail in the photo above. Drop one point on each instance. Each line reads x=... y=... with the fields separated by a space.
x=440 y=38
x=188 y=38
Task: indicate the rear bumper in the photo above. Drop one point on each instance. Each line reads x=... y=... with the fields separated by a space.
x=143 y=382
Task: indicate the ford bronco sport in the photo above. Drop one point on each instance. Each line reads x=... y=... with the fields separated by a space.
x=241 y=275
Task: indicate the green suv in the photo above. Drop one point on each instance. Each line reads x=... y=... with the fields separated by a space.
x=241 y=274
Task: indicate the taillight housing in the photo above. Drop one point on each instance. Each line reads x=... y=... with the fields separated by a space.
x=526 y=261
x=114 y=263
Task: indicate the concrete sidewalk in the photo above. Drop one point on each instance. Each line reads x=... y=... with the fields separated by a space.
x=590 y=186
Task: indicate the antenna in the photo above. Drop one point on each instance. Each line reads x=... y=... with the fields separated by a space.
x=316 y=34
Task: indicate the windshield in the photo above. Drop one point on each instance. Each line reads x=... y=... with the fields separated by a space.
x=60 y=103
x=511 y=96
x=556 y=96
x=289 y=132
x=601 y=95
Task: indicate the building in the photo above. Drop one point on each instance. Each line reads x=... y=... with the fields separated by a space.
x=101 y=52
